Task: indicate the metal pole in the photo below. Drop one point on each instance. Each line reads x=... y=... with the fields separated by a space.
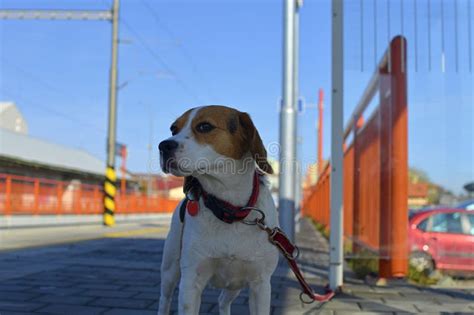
x=110 y=175
x=299 y=140
x=288 y=125
x=336 y=222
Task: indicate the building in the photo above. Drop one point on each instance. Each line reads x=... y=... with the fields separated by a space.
x=167 y=186
x=23 y=155
x=12 y=119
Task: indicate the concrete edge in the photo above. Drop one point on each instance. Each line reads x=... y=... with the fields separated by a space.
x=25 y=221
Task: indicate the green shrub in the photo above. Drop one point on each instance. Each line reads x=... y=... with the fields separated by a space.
x=420 y=277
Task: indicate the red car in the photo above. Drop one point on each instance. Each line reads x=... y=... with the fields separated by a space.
x=442 y=239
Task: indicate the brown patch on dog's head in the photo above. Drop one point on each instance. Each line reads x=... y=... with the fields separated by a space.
x=254 y=143
x=231 y=133
x=180 y=122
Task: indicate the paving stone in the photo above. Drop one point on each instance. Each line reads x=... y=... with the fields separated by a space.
x=99 y=286
x=376 y=295
x=19 y=306
x=78 y=300
x=62 y=309
x=16 y=313
x=206 y=307
x=432 y=296
x=299 y=311
x=154 y=306
x=402 y=306
x=377 y=307
x=111 y=293
x=14 y=287
x=239 y=309
x=337 y=305
x=17 y=296
x=128 y=311
x=147 y=295
x=155 y=290
x=49 y=283
x=445 y=307
x=57 y=291
x=123 y=303
x=362 y=313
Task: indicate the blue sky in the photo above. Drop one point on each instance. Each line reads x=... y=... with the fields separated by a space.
x=180 y=54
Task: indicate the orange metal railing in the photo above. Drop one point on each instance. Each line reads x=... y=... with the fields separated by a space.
x=20 y=195
x=375 y=169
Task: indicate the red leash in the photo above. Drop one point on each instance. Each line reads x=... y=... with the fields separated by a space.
x=290 y=251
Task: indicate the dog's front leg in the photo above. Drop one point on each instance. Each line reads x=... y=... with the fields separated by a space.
x=192 y=283
x=170 y=264
x=260 y=297
x=225 y=300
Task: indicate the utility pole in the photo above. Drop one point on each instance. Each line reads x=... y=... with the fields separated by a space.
x=296 y=99
x=110 y=183
x=90 y=15
x=288 y=124
x=337 y=137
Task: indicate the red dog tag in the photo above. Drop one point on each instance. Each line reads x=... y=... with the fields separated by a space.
x=193 y=207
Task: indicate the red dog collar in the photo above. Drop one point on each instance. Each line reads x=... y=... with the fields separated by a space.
x=223 y=210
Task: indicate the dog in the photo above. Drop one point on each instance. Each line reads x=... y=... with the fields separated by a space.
x=221 y=156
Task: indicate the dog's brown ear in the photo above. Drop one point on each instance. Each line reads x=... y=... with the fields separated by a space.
x=254 y=142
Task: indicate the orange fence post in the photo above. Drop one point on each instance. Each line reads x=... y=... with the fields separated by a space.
x=394 y=163
x=36 y=196
x=356 y=222
x=97 y=203
x=79 y=200
x=8 y=195
x=59 y=198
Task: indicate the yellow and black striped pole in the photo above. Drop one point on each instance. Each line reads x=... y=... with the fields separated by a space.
x=110 y=187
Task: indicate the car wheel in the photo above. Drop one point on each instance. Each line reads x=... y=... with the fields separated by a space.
x=422 y=262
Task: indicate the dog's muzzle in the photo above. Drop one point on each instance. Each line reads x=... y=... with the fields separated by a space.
x=167 y=152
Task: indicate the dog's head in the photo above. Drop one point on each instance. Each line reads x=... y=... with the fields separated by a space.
x=210 y=138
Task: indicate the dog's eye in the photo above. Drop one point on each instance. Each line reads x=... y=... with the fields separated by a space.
x=204 y=127
x=174 y=130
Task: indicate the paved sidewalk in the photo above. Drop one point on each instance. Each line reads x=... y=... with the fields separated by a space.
x=120 y=275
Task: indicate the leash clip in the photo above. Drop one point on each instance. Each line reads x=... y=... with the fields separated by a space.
x=302 y=299
x=257 y=221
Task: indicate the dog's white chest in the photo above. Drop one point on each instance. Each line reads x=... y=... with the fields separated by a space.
x=233 y=254
x=233 y=273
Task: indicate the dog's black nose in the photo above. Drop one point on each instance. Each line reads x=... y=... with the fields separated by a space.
x=168 y=145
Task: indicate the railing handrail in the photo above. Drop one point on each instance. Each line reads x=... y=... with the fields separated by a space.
x=367 y=96
x=43 y=180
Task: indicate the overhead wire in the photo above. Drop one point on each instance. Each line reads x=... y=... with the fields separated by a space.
x=152 y=11
x=160 y=60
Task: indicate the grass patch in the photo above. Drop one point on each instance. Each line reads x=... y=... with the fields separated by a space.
x=364 y=263
x=420 y=277
x=322 y=229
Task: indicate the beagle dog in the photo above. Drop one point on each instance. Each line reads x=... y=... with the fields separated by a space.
x=221 y=155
